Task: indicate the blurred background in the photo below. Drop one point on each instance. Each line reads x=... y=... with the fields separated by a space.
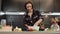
x=41 y=5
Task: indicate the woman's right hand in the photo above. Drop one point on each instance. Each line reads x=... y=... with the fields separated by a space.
x=30 y=28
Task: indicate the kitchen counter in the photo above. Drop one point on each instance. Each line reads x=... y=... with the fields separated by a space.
x=6 y=29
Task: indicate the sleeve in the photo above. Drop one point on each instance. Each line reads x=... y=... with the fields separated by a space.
x=25 y=21
x=39 y=15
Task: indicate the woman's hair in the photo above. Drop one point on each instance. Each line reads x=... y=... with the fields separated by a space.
x=28 y=3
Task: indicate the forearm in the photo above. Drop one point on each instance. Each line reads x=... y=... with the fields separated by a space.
x=26 y=25
x=37 y=23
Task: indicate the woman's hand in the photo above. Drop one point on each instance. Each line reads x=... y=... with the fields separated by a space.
x=30 y=28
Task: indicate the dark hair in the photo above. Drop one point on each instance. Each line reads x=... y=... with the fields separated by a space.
x=28 y=3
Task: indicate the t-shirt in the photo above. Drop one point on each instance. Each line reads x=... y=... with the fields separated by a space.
x=35 y=17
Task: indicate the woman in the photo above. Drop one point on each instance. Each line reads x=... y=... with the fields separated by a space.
x=32 y=17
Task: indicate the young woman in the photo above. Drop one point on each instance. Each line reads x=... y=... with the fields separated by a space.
x=32 y=17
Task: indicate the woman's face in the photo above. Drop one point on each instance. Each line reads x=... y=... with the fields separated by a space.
x=29 y=6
